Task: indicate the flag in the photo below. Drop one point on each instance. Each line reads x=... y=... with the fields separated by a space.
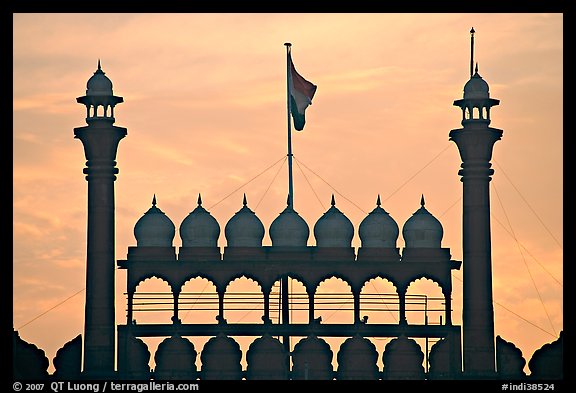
x=301 y=94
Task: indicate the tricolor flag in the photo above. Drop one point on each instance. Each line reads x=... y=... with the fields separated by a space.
x=301 y=94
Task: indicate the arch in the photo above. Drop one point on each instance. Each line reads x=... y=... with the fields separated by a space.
x=204 y=276
x=198 y=300
x=332 y=303
x=244 y=304
x=149 y=276
x=379 y=301
x=243 y=275
x=425 y=302
x=151 y=303
x=426 y=276
x=330 y=276
x=298 y=301
x=475 y=112
x=295 y=276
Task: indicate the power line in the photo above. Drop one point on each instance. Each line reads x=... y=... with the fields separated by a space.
x=528 y=204
x=524 y=260
x=451 y=206
x=270 y=185
x=310 y=184
x=245 y=184
x=512 y=312
x=416 y=174
x=510 y=234
x=333 y=188
x=527 y=251
x=50 y=309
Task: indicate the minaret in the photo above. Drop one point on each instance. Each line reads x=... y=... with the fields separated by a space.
x=100 y=139
x=475 y=142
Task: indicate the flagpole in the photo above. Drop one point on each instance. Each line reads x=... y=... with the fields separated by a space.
x=284 y=281
x=289 y=105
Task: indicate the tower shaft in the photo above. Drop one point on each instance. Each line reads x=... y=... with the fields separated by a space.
x=475 y=145
x=100 y=140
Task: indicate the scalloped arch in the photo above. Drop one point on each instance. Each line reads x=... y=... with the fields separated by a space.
x=152 y=276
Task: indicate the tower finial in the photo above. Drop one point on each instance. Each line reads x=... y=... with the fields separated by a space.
x=199 y=199
x=472 y=31
x=333 y=202
x=100 y=68
x=422 y=202
x=154 y=200
x=244 y=201
x=378 y=201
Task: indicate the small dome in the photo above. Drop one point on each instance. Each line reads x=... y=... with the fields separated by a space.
x=312 y=359
x=476 y=87
x=199 y=228
x=221 y=358
x=289 y=229
x=99 y=84
x=175 y=359
x=244 y=229
x=378 y=229
x=267 y=359
x=357 y=359
x=333 y=229
x=422 y=230
x=402 y=359
x=154 y=228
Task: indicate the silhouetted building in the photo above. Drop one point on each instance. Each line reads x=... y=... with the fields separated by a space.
x=289 y=256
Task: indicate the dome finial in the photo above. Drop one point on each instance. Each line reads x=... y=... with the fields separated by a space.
x=333 y=202
x=422 y=202
x=99 y=67
x=154 y=200
x=476 y=69
x=378 y=201
x=471 y=50
x=199 y=199
x=244 y=201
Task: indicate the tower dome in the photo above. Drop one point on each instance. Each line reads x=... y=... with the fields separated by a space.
x=154 y=228
x=378 y=229
x=476 y=87
x=99 y=84
x=422 y=230
x=333 y=229
x=244 y=229
x=199 y=228
x=289 y=229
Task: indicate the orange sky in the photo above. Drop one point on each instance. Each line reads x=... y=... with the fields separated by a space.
x=205 y=108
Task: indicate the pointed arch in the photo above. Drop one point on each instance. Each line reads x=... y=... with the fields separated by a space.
x=298 y=300
x=425 y=302
x=379 y=301
x=153 y=301
x=198 y=300
x=334 y=300
x=244 y=300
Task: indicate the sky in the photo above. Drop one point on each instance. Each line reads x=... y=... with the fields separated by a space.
x=205 y=109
